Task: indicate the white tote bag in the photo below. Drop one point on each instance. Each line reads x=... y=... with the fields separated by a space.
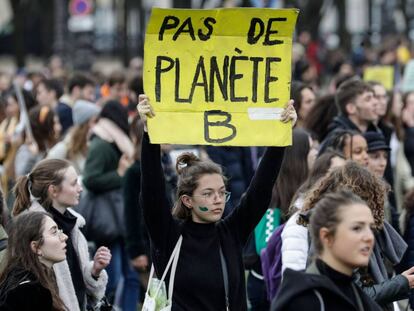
x=150 y=301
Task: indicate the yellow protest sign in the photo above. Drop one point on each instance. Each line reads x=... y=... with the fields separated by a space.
x=381 y=74
x=219 y=77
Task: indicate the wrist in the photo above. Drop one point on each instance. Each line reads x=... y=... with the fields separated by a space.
x=95 y=273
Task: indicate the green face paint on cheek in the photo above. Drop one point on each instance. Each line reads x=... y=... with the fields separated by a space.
x=203 y=208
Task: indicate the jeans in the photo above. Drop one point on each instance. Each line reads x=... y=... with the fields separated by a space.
x=123 y=282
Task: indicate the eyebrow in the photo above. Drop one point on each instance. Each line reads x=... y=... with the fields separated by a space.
x=54 y=227
x=222 y=187
x=362 y=223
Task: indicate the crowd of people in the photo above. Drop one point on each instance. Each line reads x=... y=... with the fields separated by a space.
x=90 y=208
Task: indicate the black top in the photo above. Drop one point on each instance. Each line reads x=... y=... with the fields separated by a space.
x=199 y=280
x=67 y=222
x=137 y=241
x=300 y=290
x=342 y=281
x=21 y=291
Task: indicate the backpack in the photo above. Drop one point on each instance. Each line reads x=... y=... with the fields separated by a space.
x=271 y=258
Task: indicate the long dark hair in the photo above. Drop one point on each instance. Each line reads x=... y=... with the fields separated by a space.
x=321 y=115
x=320 y=169
x=21 y=259
x=45 y=173
x=293 y=172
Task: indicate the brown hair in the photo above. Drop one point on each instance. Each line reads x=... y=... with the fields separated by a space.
x=293 y=172
x=320 y=168
x=42 y=120
x=45 y=173
x=78 y=141
x=190 y=169
x=25 y=229
x=136 y=131
x=348 y=92
x=327 y=214
x=357 y=179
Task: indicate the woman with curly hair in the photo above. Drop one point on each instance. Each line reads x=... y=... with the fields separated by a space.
x=341 y=229
x=295 y=243
x=374 y=280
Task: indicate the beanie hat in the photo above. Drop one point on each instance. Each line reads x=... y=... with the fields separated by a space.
x=84 y=110
x=376 y=141
x=114 y=111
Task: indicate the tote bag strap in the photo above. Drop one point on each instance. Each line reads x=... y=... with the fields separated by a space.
x=174 y=256
x=173 y=269
x=150 y=278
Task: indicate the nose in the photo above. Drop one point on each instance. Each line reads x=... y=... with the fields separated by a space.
x=218 y=198
x=369 y=236
x=63 y=237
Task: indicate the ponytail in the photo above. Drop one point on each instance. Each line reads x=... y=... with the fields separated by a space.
x=22 y=193
x=35 y=186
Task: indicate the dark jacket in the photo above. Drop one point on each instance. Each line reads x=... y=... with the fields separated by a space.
x=137 y=240
x=199 y=281
x=300 y=291
x=237 y=166
x=343 y=122
x=100 y=172
x=64 y=113
x=374 y=280
x=409 y=146
x=24 y=293
x=408 y=259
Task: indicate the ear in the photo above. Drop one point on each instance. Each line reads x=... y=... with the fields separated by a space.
x=325 y=237
x=350 y=108
x=52 y=190
x=35 y=249
x=186 y=199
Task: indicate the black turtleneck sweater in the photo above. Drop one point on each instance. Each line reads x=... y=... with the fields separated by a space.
x=199 y=281
x=67 y=222
x=342 y=282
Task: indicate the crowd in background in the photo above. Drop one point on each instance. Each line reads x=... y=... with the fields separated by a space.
x=349 y=134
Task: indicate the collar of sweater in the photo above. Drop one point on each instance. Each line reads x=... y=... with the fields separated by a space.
x=200 y=230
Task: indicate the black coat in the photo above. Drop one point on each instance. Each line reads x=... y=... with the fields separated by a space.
x=237 y=165
x=300 y=290
x=26 y=295
x=408 y=259
x=137 y=240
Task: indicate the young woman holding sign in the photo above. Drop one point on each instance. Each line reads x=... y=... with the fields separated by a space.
x=210 y=273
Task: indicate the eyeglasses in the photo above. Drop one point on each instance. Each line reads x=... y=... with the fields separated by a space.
x=210 y=195
x=57 y=233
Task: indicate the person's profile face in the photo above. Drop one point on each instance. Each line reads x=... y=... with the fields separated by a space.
x=53 y=247
x=69 y=191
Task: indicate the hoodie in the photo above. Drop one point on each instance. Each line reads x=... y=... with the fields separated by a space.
x=314 y=290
